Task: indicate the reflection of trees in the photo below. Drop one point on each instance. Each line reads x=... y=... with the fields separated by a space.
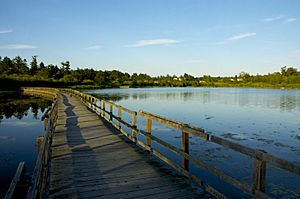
x=19 y=107
x=114 y=97
x=271 y=99
x=287 y=102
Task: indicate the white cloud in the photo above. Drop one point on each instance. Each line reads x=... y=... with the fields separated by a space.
x=17 y=46
x=154 y=42
x=274 y=18
x=93 y=47
x=235 y=38
x=241 y=36
x=5 y=31
x=289 y=20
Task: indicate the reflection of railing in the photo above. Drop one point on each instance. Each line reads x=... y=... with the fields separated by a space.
x=260 y=158
x=16 y=180
x=37 y=187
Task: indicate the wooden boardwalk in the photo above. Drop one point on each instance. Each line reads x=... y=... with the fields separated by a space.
x=91 y=159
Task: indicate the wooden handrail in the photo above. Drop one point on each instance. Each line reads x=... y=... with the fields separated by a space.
x=260 y=157
x=37 y=187
x=254 y=153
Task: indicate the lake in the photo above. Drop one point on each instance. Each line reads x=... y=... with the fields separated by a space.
x=265 y=119
x=20 y=125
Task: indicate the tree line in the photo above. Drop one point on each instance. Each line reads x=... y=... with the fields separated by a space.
x=20 y=72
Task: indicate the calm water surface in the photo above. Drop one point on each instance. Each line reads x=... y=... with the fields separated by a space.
x=20 y=125
x=266 y=119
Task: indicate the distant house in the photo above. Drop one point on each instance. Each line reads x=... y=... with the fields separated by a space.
x=238 y=80
x=177 y=79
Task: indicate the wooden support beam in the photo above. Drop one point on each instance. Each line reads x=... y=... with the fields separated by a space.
x=46 y=119
x=185 y=149
x=110 y=112
x=148 y=130
x=95 y=105
x=134 y=126
x=259 y=176
x=119 y=117
x=103 y=108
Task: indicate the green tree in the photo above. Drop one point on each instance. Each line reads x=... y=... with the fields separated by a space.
x=20 y=65
x=6 y=66
x=33 y=65
x=65 y=67
x=101 y=78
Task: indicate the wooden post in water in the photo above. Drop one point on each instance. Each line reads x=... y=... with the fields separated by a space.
x=148 y=130
x=259 y=175
x=134 y=127
x=185 y=149
x=119 y=117
x=15 y=183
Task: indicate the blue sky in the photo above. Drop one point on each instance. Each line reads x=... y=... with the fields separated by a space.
x=157 y=37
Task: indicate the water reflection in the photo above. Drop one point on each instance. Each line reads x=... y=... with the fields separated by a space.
x=265 y=119
x=17 y=105
x=20 y=124
x=260 y=118
x=285 y=100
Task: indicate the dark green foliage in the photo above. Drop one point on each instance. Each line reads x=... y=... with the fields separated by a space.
x=33 y=65
x=17 y=105
x=16 y=73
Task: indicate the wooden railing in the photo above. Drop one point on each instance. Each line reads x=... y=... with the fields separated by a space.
x=260 y=158
x=38 y=187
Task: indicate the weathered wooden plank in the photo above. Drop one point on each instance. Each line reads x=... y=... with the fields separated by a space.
x=90 y=159
x=195 y=131
x=156 y=191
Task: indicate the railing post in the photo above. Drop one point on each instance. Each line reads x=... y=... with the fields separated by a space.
x=134 y=127
x=103 y=109
x=92 y=103
x=83 y=99
x=52 y=120
x=259 y=175
x=86 y=101
x=148 y=130
x=39 y=141
x=110 y=113
x=95 y=105
x=185 y=149
x=119 y=117
x=46 y=119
